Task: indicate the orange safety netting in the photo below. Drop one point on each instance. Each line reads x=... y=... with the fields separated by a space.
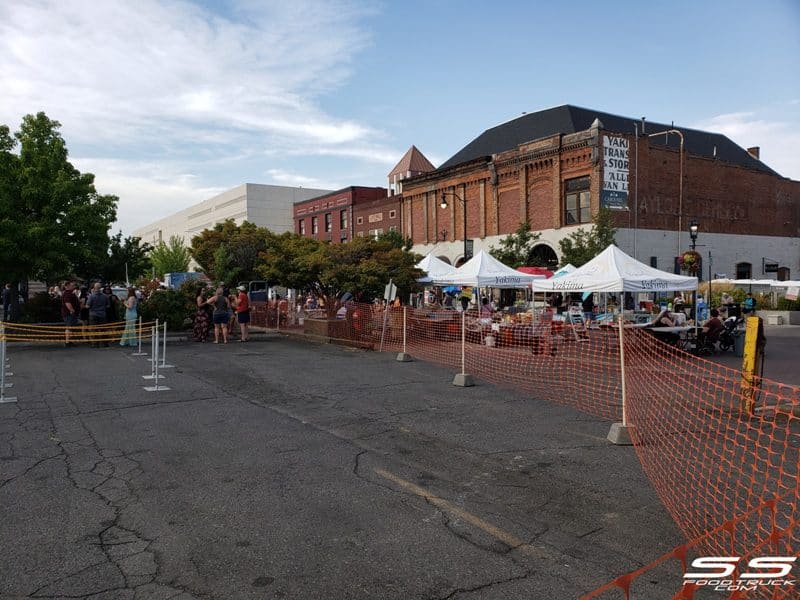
x=709 y=461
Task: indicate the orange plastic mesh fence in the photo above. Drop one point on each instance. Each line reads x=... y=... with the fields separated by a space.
x=721 y=541
x=107 y=332
x=708 y=460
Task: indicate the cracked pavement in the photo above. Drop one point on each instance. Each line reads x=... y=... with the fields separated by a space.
x=258 y=475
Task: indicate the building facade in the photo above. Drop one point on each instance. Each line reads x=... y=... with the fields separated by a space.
x=267 y=206
x=332 y=216
x=557 y=167
x=374 y=217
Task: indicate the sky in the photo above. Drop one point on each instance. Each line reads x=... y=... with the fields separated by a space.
x=170 y=103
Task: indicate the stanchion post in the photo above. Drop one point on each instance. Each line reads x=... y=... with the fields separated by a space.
x=154 y=343
x=156 y=376
x=463 y=379
x=619 y=433
x=154 y=360
x=404 y=356
x=3 y=385
x=139 y=345
x=164 y=364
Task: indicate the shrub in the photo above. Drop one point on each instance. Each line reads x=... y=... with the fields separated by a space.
x=785 y=304
x=169 y=306
x=41 y=308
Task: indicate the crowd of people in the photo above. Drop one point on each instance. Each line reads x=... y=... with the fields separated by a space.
x=223 y=310
x=85 y=310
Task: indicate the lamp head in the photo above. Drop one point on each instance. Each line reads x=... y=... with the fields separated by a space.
x=443 y=203
x=693 y=227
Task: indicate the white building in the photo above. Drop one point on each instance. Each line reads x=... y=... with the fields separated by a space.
x=267 y=206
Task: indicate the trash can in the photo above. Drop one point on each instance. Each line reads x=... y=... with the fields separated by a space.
x=738 y=343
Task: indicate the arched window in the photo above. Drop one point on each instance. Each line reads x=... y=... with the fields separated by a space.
x=744 y=270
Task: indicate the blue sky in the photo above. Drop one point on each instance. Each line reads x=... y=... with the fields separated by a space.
x=169 y=103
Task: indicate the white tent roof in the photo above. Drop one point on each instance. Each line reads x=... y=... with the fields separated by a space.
x=434 y=267
x=483 y=270
x=614 y=271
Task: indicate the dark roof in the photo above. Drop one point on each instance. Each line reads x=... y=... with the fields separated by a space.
x=571 y=119
x=414 y=161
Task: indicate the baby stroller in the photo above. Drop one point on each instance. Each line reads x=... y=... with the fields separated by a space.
x=727 y=335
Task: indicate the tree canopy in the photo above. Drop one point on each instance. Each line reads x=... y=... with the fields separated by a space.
x=170 y=257
x=582 y=246
x=128 y=259
x=516 y=249
x=362 y=266
x=53 y=223
x=242 y=245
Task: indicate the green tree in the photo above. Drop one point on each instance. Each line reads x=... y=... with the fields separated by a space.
x=362 y=266
x=243 y=245
x=170 y=257
x=128 y=257
x=516 y=249
x=224 y=268
x=53 y=223
x=396 y=239
x=582 y=246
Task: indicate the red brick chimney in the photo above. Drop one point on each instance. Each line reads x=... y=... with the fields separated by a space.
x=755 y=152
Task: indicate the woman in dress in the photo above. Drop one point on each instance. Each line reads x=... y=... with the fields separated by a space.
x=202 y=318
x=221 y=315
x=129 y=337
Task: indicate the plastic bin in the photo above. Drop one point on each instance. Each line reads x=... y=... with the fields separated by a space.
x=738 y=343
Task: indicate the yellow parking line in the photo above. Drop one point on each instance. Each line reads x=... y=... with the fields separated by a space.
x=497 y=533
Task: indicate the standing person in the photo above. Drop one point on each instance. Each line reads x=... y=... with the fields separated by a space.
x=749 y=307
x=202 y=318
x=243 y=313
x=6 y=301
x=97 y=305
x=129 y=337
x=221 y=305
x=112 y=312
x=587 y=304
x=83 y=311
x=69 y=310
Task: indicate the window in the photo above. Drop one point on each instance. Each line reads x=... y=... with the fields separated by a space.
x=360 y=234
x=343 y=220
x=359 y=220
x=654 y=262
x=392 y=227
x=302 y=227
x=314 y=226
x=328 y=222
x=392 y=214
x=744 y=270
x=577 y=201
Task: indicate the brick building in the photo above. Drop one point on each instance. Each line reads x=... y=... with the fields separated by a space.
x=331 y=216
x=556 y=167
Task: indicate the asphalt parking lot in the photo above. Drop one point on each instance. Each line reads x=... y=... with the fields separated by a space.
x=285 y=469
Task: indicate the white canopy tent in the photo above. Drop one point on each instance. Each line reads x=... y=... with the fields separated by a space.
x=614 y=271
x=483 y=270
x=565 y=270
x=434 y=267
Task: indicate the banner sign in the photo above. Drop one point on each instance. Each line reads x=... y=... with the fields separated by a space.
x=615 y=173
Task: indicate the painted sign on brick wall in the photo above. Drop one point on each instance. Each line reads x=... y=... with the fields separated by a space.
x=615 y=173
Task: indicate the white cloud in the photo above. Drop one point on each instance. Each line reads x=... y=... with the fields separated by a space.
x=120 y=71
x=281 y=177
x=148 y=191
x=161 y=89
x=778 y=140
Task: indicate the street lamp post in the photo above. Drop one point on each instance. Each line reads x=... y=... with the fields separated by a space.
x=680 y=189
x=443 y=204
x=693 y=227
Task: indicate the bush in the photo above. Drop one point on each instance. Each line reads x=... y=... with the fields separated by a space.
x=169 y=306
x=784 y=304
x=41 y=308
